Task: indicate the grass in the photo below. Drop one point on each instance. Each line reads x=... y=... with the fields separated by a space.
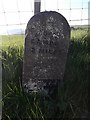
x=72 y=100
x=11 y=41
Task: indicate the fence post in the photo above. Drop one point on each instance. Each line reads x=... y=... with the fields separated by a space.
x=37 y=6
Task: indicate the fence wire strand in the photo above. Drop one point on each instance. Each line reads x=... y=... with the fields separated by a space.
x=23 y=19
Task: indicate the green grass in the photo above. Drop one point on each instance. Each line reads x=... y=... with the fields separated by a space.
x=72 y=100
x=11 y=41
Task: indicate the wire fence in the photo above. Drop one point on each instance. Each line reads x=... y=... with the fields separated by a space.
x=14 y=14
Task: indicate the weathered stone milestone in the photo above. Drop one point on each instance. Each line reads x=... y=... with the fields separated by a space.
x=46 y=45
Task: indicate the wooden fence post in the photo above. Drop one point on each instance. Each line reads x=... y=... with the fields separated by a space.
x=37 y=6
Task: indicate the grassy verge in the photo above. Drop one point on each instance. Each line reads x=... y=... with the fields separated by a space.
x=72 y=100
x=11 y=41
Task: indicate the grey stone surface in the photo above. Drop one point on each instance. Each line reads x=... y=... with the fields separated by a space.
x=46 y=45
